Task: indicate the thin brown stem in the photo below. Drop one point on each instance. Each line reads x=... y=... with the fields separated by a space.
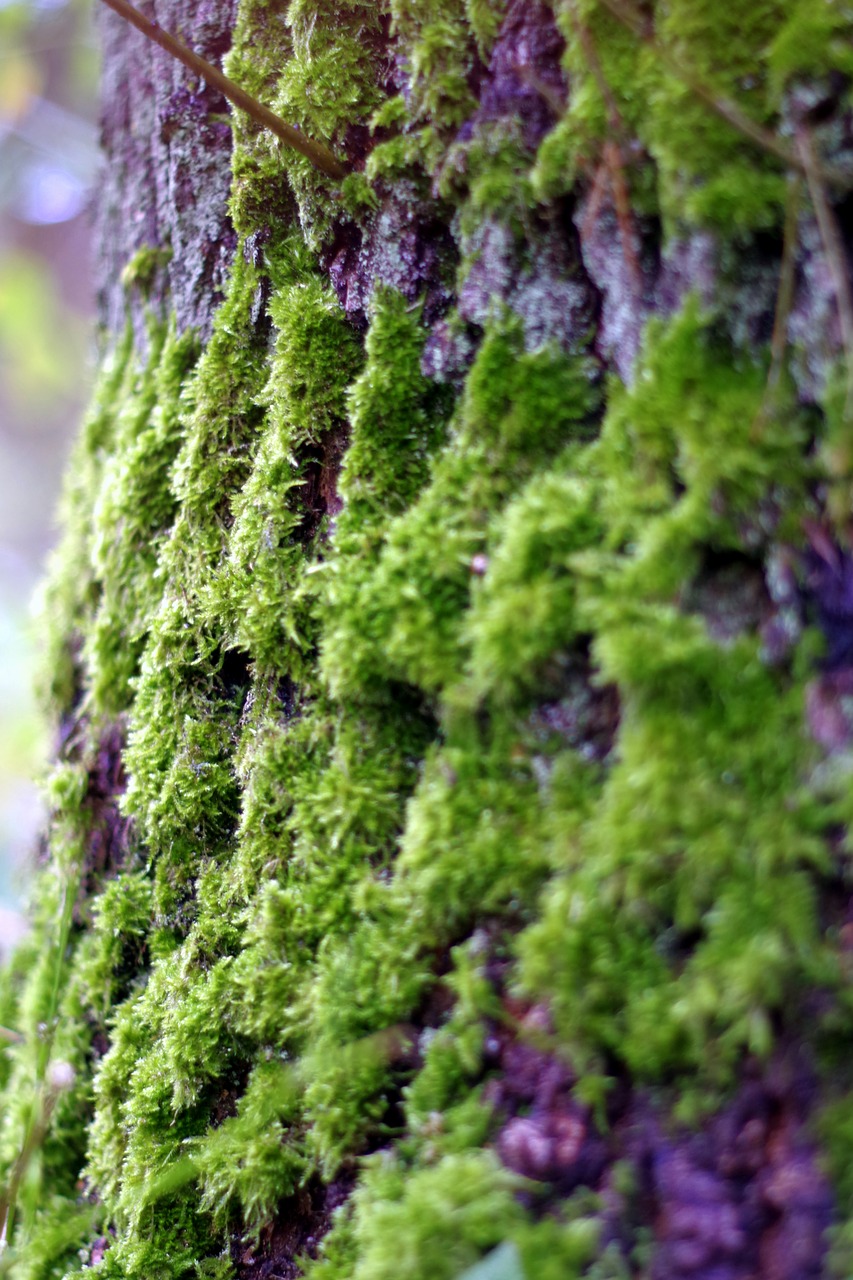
x=546 y=91
x=784 y=303
x=317 y=152
x=34 y=1137
x=593 y=62
x=612 y=166
x=833 y=246
x=785 y=294
x=721 y=106
x=624 y=217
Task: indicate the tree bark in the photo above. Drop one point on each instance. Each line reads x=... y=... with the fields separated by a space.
x=450 y=655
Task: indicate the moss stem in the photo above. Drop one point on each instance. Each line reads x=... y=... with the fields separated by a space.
x=317 y=152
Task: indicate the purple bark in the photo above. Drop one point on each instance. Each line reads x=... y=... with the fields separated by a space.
x=166 y=173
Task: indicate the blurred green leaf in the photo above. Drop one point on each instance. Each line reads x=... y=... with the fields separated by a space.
x=503 y=1263
x=42 y=344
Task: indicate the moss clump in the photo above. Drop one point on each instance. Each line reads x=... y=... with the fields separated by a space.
x=705 y=171
x=433 y=1222
x=421 y=740
x=518 y=409
x=143 y=266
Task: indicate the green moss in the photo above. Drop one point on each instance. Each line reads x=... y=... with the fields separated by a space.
x=438 y=42
x=395 y=422
x=315 y=358
x=432 y=1223
x=133 y=511
x=56 y=1233
x=521 y=616
x=115 y=944
x=550 y=1250
x=517 y=410
x=321 y=76
x=71 y=591
x=251 y=1161
x=704 y=167
x=711 y=745
x=142 y=267
x=356 y=626
x=485 y=17
x=812 y=40
x=705 y=171
x=182 y=792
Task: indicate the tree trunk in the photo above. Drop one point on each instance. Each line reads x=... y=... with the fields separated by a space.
x=451 y=653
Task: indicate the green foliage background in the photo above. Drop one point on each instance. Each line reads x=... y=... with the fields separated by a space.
x=47 y=89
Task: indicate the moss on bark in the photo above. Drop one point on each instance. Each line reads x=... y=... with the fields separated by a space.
x=447 y=859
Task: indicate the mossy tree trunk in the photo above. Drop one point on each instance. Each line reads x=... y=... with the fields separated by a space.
x=450 y=649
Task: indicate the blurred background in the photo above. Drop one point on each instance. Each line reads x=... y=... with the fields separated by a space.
x=48 y=163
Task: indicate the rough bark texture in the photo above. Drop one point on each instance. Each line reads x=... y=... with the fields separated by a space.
x=163 y=193
x=450 y=652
